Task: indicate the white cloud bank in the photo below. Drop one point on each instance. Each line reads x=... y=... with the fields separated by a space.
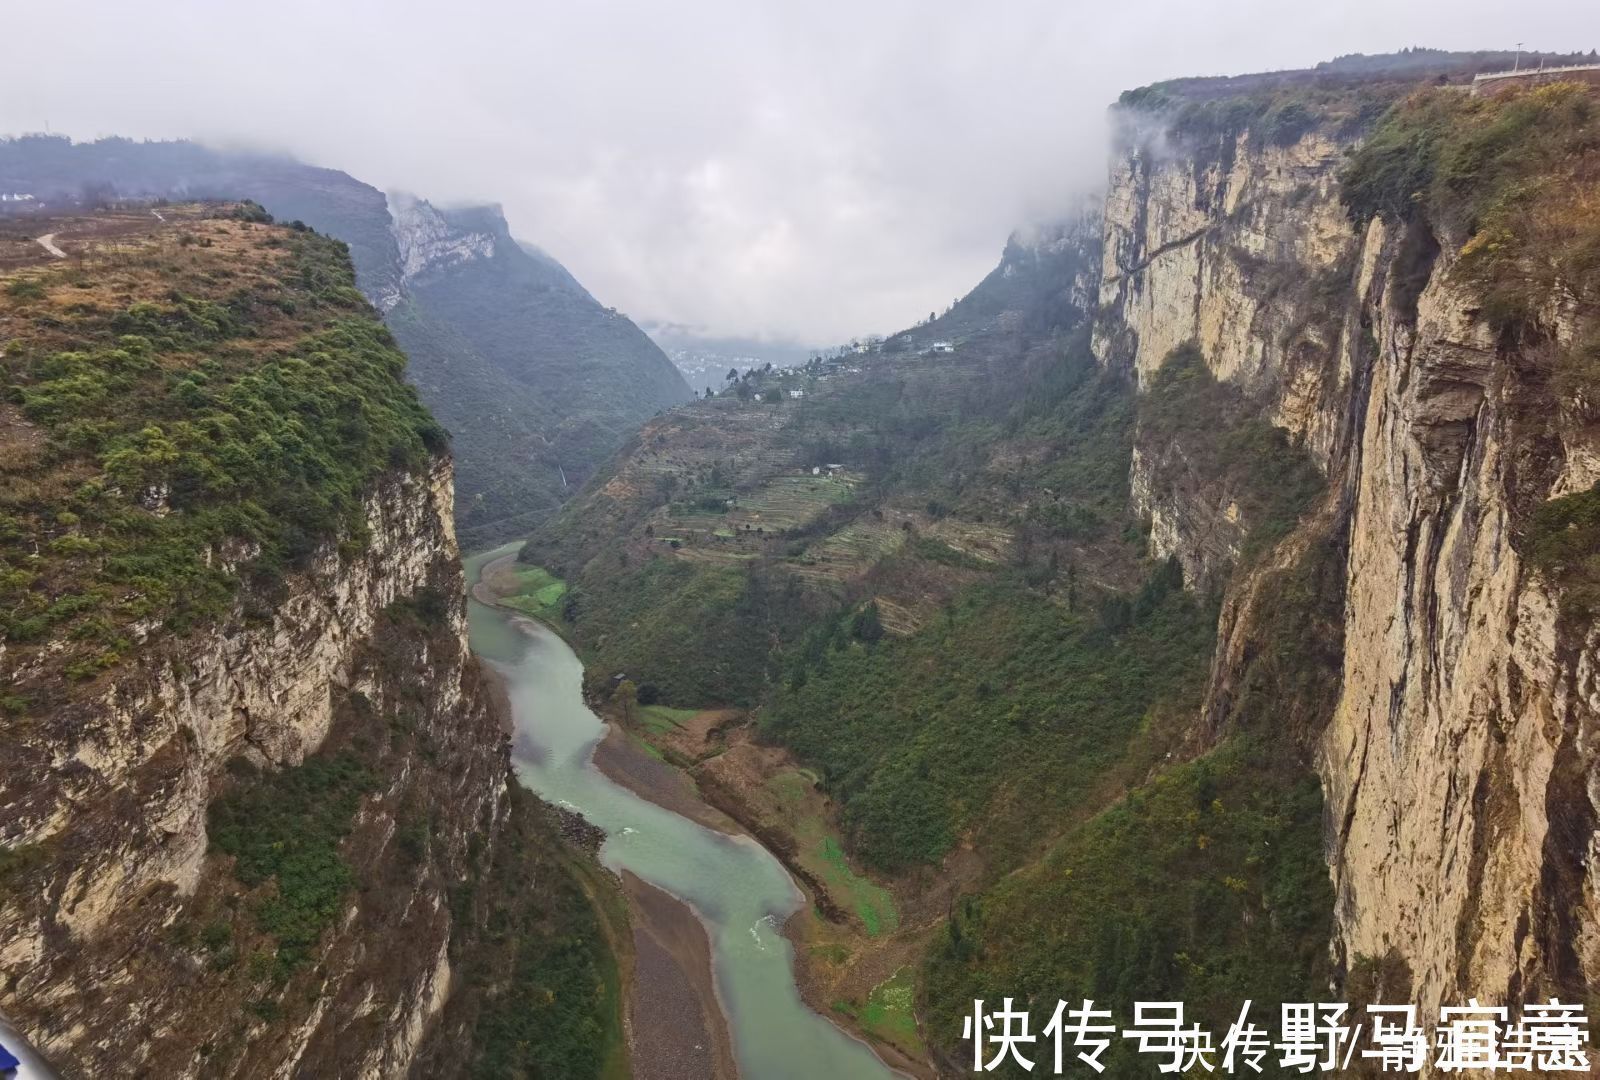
x=810 y=170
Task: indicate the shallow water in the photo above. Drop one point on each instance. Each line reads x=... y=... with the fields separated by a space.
x=739 y=889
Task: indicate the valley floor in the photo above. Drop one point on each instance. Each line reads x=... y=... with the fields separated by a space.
x=855 y=942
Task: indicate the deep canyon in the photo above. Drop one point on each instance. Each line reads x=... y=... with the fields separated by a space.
x=1202 y=608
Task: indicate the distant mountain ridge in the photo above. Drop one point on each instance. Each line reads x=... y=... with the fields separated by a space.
x=537 y=381
x=1040 y=284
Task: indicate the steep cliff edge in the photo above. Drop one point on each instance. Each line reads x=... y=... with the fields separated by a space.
x=1457 y=764
x=1428 y=350
x=1224 y=233
x=251 y=763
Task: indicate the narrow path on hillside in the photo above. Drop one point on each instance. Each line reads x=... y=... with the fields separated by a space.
x=48 y=242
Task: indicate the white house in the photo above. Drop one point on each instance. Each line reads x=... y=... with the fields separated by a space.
x=942 y=346
x=797 y=393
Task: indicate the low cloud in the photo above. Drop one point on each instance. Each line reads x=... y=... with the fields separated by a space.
x=757 y=168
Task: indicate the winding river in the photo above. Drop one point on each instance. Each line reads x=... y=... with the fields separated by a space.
x=740 y=891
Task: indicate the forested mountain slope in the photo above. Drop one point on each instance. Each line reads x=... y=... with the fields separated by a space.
x=1040 y=281
x=535 y=379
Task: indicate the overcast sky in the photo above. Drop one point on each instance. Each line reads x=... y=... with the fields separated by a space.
x=812 y=169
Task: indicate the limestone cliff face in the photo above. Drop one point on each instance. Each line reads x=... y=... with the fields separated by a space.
x=1457 y=767
x=426 y=241
x=1225 y=245
x=112 y=796
x=1241 y=247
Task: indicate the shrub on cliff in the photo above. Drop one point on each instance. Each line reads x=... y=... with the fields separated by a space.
x=285 y=828
x=1510 y=178
x=1224 y=440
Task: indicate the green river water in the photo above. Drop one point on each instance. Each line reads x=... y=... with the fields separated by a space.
x=737 y=887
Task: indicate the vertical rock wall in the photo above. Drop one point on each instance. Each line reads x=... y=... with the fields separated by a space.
x=1457 y=767
x=110 y=795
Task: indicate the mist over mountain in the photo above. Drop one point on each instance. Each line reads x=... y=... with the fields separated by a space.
x=536 y=380
x=1039 y=284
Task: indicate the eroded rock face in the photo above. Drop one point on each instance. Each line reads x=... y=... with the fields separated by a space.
x=1457 y=767
x=113 y=790
x=427 y=241
x=1242 y=249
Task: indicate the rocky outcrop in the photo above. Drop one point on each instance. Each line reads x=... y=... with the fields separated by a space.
x=1240 y=247
x=110 y=798
x=428 y=241
x=1457 y=765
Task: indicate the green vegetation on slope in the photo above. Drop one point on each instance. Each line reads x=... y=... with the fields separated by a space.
x=539 y=593
x=530 y=372
x=890 y=1011
x=255 y=407
x=1029 y=291
x=697 y=602
x=1564 y=543
x=818 y=850
x=1008 y=710
x=1345 y=95
x=288 y=829
x=1225 y=444
x=1273 y=116
x=1511 y=177
x=285 y=827
x=1206 y=884
x=870 y=903
x=696 y=632
x=541 y=995
x=1073 y=486
x=537 y=380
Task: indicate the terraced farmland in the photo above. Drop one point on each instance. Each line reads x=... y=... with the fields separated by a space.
x=987 y=543
x=788 y=502
x=854 y=548
x=771 y=509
